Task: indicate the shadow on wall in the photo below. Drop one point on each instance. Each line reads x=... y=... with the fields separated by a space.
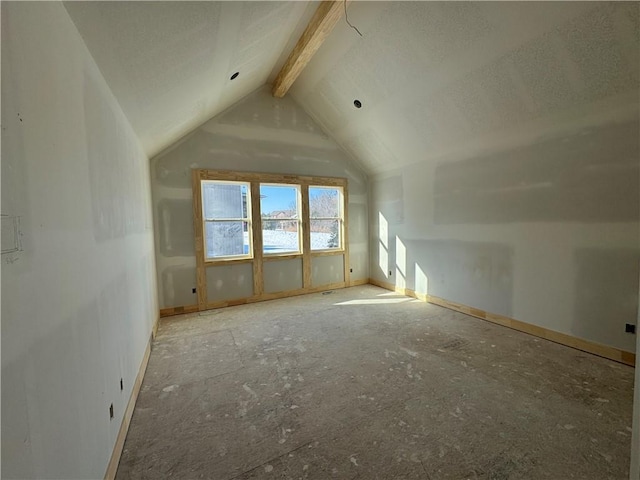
x=479 y=274
x=606 y=285
x=590 y=176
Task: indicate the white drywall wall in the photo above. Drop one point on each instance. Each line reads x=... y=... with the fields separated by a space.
x=258 y=134
x=79 y=299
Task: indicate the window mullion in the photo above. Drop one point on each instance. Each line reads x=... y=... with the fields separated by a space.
x=255 y=227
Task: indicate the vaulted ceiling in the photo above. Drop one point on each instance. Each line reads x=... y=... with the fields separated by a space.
x=445 y=80
x=169 y=64
x=437 y=80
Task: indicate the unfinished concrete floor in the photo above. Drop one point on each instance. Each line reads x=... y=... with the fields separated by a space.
x=363 y=383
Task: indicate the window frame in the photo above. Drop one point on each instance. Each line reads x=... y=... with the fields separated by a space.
x=340 y=218
x=248 y=219
x=298 y=220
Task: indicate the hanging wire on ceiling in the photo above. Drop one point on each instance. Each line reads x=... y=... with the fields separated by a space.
x=346 y=17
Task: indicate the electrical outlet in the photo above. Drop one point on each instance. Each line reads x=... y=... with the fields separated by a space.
x=630 y=328
x=390 y=273
x=351 y=270
x=121 y=385
x=111 y=412
x=193 y=290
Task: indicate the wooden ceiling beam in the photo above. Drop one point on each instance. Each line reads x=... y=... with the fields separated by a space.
x=319 y=28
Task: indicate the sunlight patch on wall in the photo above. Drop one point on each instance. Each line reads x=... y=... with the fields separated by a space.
x=383 y=244
x=401 y=263
x=421 y=281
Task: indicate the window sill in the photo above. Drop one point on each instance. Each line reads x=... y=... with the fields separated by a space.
x=227 y=261
x=280 y=256
x=321 y=253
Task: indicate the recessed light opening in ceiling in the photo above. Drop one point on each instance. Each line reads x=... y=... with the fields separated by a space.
x=234 y=76
x=357 y=103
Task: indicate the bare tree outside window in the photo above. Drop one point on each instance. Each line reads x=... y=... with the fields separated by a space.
x=280 y=213
x=325 y=212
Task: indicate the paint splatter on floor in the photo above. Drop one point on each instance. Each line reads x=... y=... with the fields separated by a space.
x=311 y=387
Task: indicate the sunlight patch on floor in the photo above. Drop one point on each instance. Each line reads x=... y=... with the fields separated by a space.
x=374 y=301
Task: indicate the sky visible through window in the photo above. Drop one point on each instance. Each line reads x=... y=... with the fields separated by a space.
x=276 y=198
x=280 y=219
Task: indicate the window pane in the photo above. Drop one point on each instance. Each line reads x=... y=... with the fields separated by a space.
x=280 y=236
x=227 y=238
x=325 y=234
x=279 y=201
x=224 y=200
x=324 y=202
x=280 y=213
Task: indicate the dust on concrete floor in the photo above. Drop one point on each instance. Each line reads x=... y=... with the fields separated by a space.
x=363 y=383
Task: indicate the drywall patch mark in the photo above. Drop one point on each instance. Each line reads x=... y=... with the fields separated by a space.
x=11 y=234
x=594 y=46
x=282 y=275
x=552 y=91
x=177 y=282
x=175 y=225
x=327 y=270
x=591 y=175
x=229 y=282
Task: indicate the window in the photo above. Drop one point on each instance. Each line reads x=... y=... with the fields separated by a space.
x=262 y=227
x=226 y=210
x=280 y=213
x=326 y=217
